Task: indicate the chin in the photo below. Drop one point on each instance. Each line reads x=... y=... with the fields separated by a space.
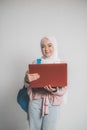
x=47 y=56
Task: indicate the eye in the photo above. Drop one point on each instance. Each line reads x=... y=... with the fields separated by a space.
x=42 y=46
x=50 y=45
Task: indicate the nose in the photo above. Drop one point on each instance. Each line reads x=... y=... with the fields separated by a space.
x=46 y=48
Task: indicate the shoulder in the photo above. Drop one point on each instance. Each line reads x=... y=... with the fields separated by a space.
x=34 y=62
x=37 y=61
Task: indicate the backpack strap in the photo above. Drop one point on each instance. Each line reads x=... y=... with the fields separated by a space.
x=38 y=61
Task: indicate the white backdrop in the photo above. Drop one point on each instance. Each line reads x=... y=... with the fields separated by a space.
x=22 y=25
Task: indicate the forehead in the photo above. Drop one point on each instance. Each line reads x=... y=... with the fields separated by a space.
x=46 y=41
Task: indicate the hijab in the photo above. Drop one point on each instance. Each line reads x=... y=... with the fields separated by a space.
x=54 y=58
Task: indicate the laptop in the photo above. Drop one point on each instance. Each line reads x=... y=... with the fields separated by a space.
x=50 y=74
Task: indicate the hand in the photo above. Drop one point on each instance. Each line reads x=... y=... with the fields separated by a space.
x=31 y=77
x=50 y=88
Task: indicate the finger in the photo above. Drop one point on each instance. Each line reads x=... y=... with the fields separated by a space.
x=51 y=88
x=36 y=75
x=47 y=88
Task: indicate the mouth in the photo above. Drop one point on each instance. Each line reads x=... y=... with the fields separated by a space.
x=46 y=52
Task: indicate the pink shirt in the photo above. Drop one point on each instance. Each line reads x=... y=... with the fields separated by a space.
x=56 y=98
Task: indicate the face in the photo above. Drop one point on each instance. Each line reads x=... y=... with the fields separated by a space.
x=47 y=48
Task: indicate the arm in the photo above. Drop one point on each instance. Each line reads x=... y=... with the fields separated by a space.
x=60 y=91
x=30 y=77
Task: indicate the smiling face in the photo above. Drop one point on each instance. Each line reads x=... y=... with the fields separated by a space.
x=47 y=48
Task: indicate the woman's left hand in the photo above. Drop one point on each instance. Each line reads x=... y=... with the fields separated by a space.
x=50 y=88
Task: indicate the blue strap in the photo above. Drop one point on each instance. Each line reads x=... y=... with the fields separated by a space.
x=38 y=61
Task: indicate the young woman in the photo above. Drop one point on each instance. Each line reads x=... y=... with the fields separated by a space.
x=44 y=104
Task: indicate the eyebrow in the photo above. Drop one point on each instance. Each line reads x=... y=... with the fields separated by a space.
x=44 y=45
x=50 y=43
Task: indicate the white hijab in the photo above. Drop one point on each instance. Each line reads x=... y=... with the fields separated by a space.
x=54 y=58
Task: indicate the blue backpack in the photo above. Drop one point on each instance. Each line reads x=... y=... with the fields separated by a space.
x=22 y=96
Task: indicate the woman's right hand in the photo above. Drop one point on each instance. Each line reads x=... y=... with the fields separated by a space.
x=31 y=77
x=50 y=88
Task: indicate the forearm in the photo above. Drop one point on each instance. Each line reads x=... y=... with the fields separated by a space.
x=26 y=81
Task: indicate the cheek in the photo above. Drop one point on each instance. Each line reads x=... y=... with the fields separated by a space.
x=52 y=50
x=42 y=50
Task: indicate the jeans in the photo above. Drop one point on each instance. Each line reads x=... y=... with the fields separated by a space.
x=47 y=122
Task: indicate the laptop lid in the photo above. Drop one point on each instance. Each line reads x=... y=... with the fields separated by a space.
x=53 y=74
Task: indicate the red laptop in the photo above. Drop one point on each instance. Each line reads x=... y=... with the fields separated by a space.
x=53 y=74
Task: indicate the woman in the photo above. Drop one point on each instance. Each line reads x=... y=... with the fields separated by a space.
x=44 y=104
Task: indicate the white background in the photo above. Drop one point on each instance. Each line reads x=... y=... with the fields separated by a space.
x=22 y=24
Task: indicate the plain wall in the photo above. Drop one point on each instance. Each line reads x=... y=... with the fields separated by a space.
x=22 y=24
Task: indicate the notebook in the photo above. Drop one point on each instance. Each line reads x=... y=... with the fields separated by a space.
x=53 y=74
